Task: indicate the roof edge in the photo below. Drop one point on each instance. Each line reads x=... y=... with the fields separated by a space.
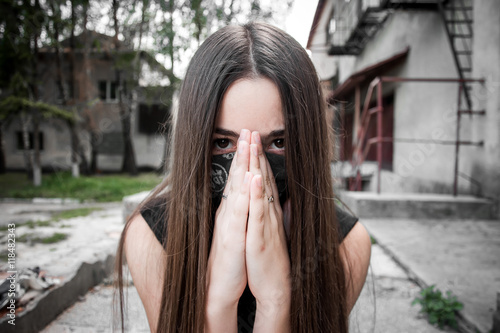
x=314 y=25
x=368 y=73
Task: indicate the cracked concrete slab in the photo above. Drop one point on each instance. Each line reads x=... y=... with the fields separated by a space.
x=80 y=261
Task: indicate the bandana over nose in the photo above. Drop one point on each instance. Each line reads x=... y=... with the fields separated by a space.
x=220 y=172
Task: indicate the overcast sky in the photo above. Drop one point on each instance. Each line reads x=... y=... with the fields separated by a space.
x=299 y=21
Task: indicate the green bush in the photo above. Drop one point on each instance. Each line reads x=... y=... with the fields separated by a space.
x=440 y=310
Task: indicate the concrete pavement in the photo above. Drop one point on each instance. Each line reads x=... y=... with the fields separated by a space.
x=94 y=314
x=457 y=255
x=384 y=306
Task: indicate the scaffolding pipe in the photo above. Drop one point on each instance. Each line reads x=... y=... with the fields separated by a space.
x=379 y=132
x=457 y=145
x=359 y=154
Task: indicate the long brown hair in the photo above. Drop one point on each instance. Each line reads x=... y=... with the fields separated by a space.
x=318 y=280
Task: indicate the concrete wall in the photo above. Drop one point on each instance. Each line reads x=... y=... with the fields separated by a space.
x=105 y=117
x=485 y=162
x=57 y=150
x=428 y=110
x=325 y=64
x=56 y=154
x=420 y=109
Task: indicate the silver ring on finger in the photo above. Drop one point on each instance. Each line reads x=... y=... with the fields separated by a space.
x=270 y=199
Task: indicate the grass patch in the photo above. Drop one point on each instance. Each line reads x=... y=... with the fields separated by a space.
x=4 y=227
x=24 y=238
x=100 y=188
x=64 y=215
x=57 y=237
x=4 y=255
x=68 y=214
x=31 y=237
x=32 y=224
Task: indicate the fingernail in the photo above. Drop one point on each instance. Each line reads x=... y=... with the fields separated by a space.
x=253 y=148
x=243 y=135
x=247 y=177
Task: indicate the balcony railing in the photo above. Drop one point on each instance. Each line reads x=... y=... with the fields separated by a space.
x=353 y=23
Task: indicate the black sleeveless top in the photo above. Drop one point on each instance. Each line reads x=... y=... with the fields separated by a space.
x=154 y=213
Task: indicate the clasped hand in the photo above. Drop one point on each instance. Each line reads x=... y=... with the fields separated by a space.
x=249 y=240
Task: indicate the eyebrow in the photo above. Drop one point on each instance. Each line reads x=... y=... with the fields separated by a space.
x=226 y=132
x=276 y=133
x=272 y=134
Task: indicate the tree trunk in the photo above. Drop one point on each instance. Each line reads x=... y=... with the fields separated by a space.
x=129 y=163
x=89 y=117
x=93 y=151
x=2 y=153
x=76 y=147
x=37 y=169
x=28 y=161
x=171 y=34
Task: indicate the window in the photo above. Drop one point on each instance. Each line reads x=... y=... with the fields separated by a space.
x=112 y=91
x=152 y=118
x=103 y=90
x=332 y=26
x=20 y=141
x=108 y=90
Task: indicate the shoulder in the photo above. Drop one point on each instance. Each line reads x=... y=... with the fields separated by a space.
x=145 y=260
x=346 y=221
x=355 y=251
x=154 y=212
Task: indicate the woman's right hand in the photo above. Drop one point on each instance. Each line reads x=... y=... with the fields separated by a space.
x=226 y=273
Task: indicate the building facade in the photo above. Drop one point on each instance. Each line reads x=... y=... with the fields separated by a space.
x=93 y=96
x=416 y=89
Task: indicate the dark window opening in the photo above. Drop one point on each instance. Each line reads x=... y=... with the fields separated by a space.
x=112 y=93
x=108 y=90
x=31 y=145
x=152 y=118
x=103 y=87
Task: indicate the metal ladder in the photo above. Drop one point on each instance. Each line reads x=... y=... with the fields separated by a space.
x=457 y=18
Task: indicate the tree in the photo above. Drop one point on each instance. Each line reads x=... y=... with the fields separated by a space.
x=57 y=23
x=158 y=33
x=21 y=24
x=14 y=106
x=173 y=30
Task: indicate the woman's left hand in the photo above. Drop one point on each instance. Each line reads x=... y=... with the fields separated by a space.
x=267 y=259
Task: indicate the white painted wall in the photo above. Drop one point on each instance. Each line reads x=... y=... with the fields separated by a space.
x=428 y=110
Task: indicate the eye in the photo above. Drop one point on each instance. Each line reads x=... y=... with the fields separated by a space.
x=278 y=144
x=222 y=144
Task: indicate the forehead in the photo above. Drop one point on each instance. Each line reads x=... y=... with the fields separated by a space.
x=252 y=104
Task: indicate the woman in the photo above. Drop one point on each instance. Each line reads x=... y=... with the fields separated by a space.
x=222 y=245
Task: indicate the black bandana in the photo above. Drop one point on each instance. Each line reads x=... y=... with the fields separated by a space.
x=220 y=171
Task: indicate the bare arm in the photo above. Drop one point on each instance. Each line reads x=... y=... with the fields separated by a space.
x=356 y=251
x=146 y=262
